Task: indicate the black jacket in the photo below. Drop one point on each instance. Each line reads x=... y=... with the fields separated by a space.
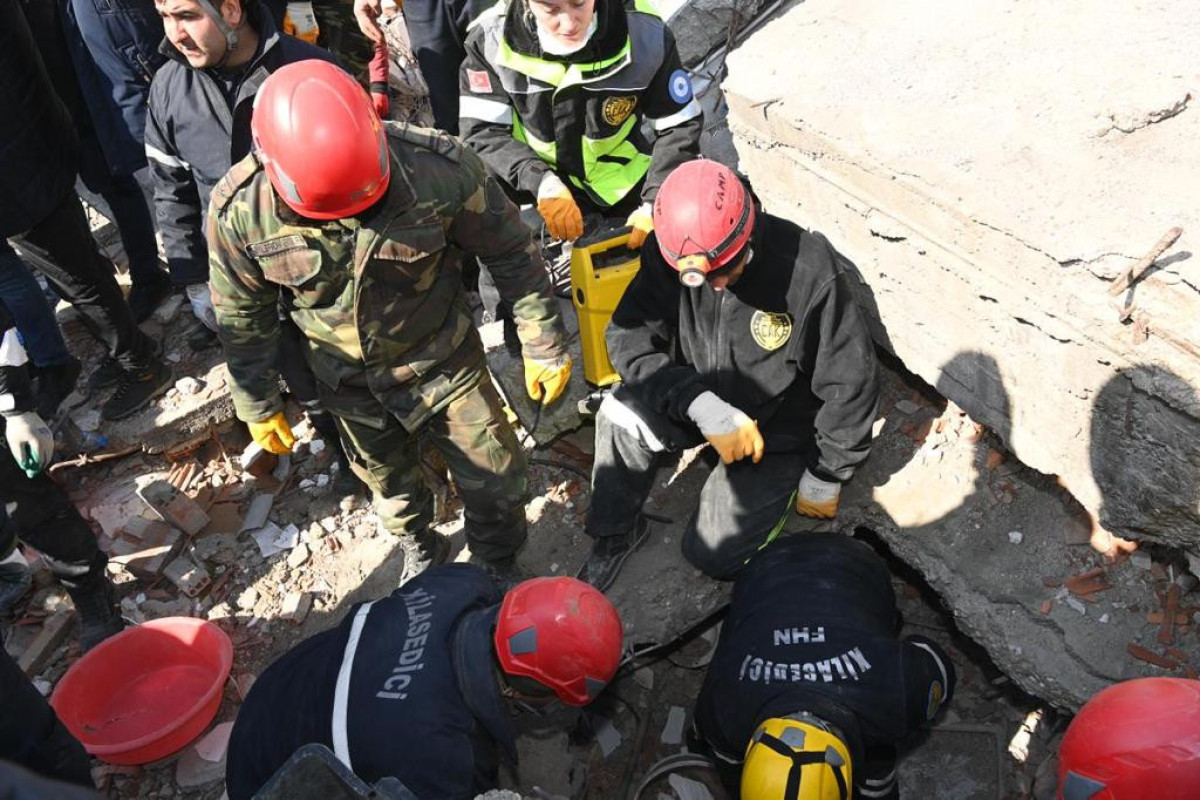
x=811 y=627
x=786 y=344
x=38 y=146
x=16 y=394
x=415 y=674
x=193 y=137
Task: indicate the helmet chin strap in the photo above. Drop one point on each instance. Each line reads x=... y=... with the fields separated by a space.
x=231 y=37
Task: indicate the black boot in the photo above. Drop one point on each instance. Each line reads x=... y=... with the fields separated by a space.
x=54 y=384
x=106 y=375
x=344 y=482
x=136 y=390
x=145 y=296
x=609 y=554
x=199 y=336
x=422 y=551
x=95 y=599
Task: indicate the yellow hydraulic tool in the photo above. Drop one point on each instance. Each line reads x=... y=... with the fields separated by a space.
x=601 y=267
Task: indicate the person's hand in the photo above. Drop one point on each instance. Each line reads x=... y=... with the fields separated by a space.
x=556 y=205
x=30 y=440
x=642 y=222
x=200 y=298
x=383 y=106
x=731 y=433
x=545 y=381
x=273 y=434
x=366 y=12
x=300 y=21
x=817 y=498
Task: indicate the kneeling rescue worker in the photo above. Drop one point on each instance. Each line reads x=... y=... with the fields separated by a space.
x=419 y=685
x=740 y=328
x=810 y=689
x=360 y=226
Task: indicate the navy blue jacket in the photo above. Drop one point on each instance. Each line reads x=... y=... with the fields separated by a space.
x=811 y=627
x=193 y=137
x=405 y=686
x=114 y=49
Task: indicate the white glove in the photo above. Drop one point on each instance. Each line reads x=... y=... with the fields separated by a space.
x=817 y=498
x=200 y=297
x=30 y=440
x=732 y=434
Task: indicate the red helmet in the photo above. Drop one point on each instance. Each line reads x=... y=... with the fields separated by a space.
x=320 y=141
x=563 y=634
x=1134 y=740
x=703 y=218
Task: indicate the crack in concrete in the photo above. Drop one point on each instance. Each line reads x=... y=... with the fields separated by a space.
x=1128 y=123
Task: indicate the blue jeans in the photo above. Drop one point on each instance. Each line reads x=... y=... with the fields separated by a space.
x=31 y=313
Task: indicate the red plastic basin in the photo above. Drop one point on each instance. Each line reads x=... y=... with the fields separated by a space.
x=146 y=692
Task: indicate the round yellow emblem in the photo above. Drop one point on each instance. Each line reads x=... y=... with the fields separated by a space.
x=617 y=109
x=771 y=331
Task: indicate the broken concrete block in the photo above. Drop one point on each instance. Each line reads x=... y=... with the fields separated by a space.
x=672 y=732
x=224 y=518
x=147 y=557
x=174 y=506
x=296 y=606
x=204 y=762
x=191 y=578
x=299 y=555
x=257 y=461
x=53 y=633
x=1141 y=559
x=1015 y=537
x=248 y=599
x=260 y=509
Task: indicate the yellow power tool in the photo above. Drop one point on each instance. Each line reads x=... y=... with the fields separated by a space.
x=601 y=267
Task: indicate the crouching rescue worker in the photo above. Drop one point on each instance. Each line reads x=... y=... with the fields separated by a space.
x=810 y=689
x=553 y=97
x=421 y=685
x=360 y=226
x=740 y=329
x=35 y=510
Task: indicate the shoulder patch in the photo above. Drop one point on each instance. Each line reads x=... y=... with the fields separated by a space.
x=237 y=177
x=439 y=142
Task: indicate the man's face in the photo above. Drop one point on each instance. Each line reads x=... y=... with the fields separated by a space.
x=566 y=21
x=193 y=32
x=720 y=282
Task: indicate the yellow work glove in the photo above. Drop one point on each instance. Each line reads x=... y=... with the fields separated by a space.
x=642 y=222
x=817 y=498
x=731 y=433
x=545 y=381
x=273 y=434
x=556 y=205
x=300 y=21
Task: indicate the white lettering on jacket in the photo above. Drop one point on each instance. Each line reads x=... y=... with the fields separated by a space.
x=412 y=652
x=848 y=666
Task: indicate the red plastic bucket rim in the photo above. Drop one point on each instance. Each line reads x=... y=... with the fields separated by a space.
x=224 y=652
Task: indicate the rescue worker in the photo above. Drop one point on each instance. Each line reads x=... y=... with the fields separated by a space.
x=740 y=329
x=34 y=509
x=810 y=689
x=364 y=244
x=421 y=685
x=553 y=94
x=198 y=126
x=1136 y=739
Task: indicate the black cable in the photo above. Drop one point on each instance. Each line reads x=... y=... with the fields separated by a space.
x=546 y=462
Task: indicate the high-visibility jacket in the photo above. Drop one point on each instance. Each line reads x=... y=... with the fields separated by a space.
x=526 y=112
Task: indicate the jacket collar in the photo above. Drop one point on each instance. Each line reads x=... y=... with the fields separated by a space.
x=473 y=660
x=612 y=32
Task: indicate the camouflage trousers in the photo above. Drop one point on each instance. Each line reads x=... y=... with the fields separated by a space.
x=485 y=460
x=341 y=36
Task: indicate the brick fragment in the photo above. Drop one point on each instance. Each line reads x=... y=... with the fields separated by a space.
x=1150 y=657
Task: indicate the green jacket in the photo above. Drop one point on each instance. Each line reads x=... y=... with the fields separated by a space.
x=379 y=296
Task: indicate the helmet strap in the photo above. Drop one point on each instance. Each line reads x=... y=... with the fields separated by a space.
x=799 y=761
x=230 y=34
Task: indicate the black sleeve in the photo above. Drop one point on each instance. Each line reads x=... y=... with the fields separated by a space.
x=487 y=129
x=929 y=680
x=16 y=393
x=176 y=200
x=640 y=336
x=837 y=353
x=675 y=117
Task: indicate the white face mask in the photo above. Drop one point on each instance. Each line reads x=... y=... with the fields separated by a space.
x=555 y=48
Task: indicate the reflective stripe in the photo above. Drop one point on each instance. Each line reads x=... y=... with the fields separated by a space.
x=483 y=109
x=690 y=111
x=936 y=660
x=167 y=160
x=613 y=165
x=866 y=792
x=341 y=693
x=886 y=780
x=647 y=7
x=546 y=151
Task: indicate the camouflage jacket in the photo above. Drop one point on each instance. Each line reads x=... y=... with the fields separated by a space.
x=378 y=296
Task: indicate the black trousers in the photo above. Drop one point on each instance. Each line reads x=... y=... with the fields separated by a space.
x=36 y=511
x=742 y=505
x=32 y=736
x=62 y=248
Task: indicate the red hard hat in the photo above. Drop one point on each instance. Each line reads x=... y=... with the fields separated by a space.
x=1135 y=740
x=703 y=218
x=320 y=141
x=563 y=634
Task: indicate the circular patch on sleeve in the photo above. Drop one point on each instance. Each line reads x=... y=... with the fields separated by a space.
x=680 y=86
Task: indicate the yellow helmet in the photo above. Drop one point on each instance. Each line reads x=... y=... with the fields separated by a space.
x=797 y=757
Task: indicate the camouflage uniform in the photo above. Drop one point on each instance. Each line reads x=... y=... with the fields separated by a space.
x=390 y=339
x=341 y=36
